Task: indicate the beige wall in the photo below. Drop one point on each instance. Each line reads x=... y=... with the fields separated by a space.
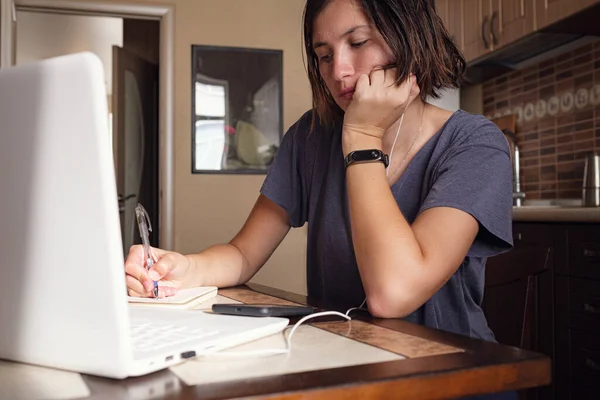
x=43 y=35
x=211 y=208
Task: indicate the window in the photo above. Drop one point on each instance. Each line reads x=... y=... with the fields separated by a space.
x=237 y=109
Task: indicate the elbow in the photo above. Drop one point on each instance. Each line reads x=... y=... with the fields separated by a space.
x=389 y=306
x=398 y=297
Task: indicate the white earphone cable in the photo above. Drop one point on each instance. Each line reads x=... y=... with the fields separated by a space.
x=358 y=308
x=396 y=138
x=288 y=339
x=394 y=144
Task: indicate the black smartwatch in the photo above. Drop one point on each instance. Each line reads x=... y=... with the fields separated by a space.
x=363 y=156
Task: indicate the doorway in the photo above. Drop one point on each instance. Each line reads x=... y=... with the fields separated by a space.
x=135 y=141
x=140 y=97
x=128 y=49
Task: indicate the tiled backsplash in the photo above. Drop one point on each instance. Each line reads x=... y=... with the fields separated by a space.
x=557 y=104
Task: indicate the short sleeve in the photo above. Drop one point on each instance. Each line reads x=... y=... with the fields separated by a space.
x=475 y=176
x=286 y=181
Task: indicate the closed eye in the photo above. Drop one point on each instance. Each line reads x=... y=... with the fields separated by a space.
x=359 y=44
x=326 y=58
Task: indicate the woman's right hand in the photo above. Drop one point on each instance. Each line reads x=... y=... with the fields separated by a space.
x=170 y=270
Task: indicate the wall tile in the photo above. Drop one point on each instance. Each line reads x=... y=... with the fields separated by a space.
x=557 y=104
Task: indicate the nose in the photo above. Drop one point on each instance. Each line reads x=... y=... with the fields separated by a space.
x=342 y=66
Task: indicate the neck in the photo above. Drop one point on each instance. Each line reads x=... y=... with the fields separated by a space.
x=410 y=127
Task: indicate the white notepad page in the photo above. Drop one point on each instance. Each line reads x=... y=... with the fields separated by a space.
x=185 y=298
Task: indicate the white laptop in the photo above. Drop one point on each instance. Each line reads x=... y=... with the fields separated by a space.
x=63 y=301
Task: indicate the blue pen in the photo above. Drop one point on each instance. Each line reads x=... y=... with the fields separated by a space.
x=144 y=226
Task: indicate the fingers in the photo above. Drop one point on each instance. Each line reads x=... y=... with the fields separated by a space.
x=362 y=84
x=135 y=285
x=161 y=268
x=136 y=274
x=166 y=291
x=135 y=256
x=163 y=290
x=382 y=77
x=406 y=86
x=407 y=91
x=134 y=293
x=378 y=77
x=140 y=281
x=137 y=279
x=157 y=253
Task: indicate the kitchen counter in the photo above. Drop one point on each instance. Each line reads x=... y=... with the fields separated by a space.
x=556 y=210
x=556 y=214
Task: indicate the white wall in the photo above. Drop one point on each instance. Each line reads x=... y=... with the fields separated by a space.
x=450 y=100
x=41 y=35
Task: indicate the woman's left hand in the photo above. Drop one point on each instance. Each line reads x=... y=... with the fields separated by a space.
x=378 y=102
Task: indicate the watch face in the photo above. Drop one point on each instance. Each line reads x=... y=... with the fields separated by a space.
x=367 y=155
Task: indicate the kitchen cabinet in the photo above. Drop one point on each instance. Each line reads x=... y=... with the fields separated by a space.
x=544 y=295
x=511 y=20
x=578 y=315
x=491 y=24
x=476 y=40
x=550 y=11
x=519 y=292
x=451 y=13
x=480 y=27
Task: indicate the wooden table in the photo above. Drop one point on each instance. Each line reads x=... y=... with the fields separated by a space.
x=438 y=365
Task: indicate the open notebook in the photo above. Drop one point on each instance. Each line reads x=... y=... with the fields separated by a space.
x=184 y=299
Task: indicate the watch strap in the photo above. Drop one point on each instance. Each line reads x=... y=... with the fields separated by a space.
x=366 y=156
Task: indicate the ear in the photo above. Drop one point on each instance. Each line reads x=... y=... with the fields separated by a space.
x=414 y=87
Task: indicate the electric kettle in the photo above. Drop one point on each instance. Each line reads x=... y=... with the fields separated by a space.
x=591 y=181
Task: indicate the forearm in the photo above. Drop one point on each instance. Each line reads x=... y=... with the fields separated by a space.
x=220 y=265
x=236 y=262
x=387 y=251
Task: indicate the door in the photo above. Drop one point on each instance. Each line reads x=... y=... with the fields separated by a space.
x=135 y=141
x=450 y=11
x=511 y=20
x=477 y=39
x=8 y=33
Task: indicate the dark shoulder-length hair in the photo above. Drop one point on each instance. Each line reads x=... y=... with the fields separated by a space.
x=415 y=34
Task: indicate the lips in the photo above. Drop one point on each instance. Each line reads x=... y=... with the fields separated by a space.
x=347 y=93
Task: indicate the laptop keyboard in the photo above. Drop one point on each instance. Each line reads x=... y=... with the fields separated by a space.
x=152 y=336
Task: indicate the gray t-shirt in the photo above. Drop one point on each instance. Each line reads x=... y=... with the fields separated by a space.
x=465 y=165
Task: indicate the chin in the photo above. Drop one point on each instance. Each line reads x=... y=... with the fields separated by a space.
x=342 y=103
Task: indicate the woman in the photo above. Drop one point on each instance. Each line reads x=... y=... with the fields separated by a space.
x=411 y=237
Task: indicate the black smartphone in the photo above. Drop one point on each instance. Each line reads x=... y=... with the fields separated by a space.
x=262 y=310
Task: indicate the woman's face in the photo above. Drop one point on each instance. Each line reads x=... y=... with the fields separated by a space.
x=347 y=45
